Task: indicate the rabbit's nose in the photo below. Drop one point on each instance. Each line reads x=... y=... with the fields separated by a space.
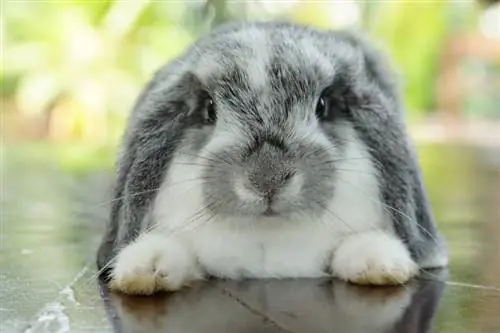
x=269 y=184
x=269 y=170
x=269 y=194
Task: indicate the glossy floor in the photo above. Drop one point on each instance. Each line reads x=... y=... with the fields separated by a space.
x=51 y=225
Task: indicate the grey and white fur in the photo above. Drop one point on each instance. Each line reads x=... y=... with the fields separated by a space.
x=269 y=150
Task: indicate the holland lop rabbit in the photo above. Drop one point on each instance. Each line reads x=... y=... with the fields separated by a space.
x=269 y=150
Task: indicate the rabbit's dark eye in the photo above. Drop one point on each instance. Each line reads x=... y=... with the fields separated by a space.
x=322 y=108
x=210 y=112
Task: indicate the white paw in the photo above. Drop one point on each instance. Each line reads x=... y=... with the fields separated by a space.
x=151 y=264
x=373 y=258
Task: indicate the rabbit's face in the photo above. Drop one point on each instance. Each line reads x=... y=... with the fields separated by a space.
x=271 y=133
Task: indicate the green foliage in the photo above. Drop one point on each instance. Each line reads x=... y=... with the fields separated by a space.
x=414 y=35
x=98 y=54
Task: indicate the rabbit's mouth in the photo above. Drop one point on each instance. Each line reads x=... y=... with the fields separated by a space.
x=270 y=212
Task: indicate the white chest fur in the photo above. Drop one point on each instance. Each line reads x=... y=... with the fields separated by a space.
x=280 y=250
x=236 y=248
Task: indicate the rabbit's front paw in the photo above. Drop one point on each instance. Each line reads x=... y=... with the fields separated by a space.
x=373 y=258
x=152 y=264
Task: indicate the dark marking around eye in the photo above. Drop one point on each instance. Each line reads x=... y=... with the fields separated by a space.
x=336 y=100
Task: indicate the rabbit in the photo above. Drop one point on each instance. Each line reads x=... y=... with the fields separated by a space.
x=269 y=149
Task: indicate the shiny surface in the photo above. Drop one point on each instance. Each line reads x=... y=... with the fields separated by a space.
x=51 y=225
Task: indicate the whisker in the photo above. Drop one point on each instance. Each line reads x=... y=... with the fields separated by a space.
x=192 y=164
x=188 y=222
x=353 y=232
x=341 y=160
x=458 y=284
x=327 y=148
x=154 y=228
x=91 y=279
x=218 y=156
x=385 y=207
x=343 y=169
x=333 y=214
x=212 y=160
x=123 y=197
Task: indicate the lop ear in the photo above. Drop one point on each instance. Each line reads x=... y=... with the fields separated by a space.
x=153 y=132
x=376 y=62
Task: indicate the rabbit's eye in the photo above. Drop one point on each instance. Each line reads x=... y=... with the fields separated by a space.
x=210 y=112
x=321 y=108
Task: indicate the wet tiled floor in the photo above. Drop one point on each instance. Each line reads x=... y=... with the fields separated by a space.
x=51 y=225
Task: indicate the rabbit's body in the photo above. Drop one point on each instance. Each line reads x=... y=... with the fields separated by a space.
x=298 y=246
x=269 y=150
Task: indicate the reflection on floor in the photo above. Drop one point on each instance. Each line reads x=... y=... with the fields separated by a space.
x=281 y=306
